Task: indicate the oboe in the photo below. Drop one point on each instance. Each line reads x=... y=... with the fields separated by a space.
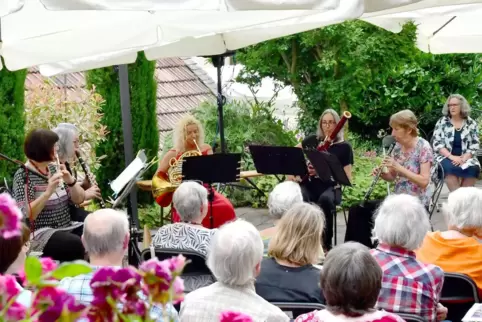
x=90 y=176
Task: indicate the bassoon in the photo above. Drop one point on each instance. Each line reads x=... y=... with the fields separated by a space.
x=89 y=175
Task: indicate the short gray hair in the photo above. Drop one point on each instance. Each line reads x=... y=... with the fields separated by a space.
x=464 y=106
x=401 y=220
x=463 y=208
x=105 y=231
x=66 y=132
x=188 y=199
x=319 y=131
x=351 y=280
x=283 y=197
x=234 y=252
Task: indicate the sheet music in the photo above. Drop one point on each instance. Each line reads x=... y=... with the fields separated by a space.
x=129 y=173
x=474 y=314
x=465 y=165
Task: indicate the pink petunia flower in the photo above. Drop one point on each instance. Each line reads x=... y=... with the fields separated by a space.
x=157 y=277
x=230 y=316
x=10 y=217
x=54 y=303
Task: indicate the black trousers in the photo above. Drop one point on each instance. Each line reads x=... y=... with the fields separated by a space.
x=325 y=196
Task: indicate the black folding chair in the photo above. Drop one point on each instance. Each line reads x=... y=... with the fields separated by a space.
x=437 y=177
x=197 y=262
x=410 y=317
x=295 y=309
x=459 y=293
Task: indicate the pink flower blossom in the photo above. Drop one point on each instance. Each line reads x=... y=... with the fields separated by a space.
x=48 y=265
x=54 y=303
x=10 y=217
x=8 y=287
x=230 y=316
x=178 y=290
x=16 y=312
x=158 y=278
x=177 y=264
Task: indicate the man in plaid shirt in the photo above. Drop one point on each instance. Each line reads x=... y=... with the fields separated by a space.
x=408 y=285
x=106 y=236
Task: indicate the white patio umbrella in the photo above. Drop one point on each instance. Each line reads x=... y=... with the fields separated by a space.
x=449 y=29
x=10 y=6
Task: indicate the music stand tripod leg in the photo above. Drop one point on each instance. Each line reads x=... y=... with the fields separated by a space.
x=254 y=185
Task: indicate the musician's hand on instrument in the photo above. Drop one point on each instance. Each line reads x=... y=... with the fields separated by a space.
x=66 y=176
x=375 y=171
x=53 y=183
x=93 y=193
x=391 y=164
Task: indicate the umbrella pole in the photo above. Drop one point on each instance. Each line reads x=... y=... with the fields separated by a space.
x=220 y=63
x=125 y=101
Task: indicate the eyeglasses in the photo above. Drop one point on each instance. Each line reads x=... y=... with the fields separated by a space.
x=328 y=123
x=454 y=105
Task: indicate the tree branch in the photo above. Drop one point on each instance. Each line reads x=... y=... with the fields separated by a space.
x=294 y=56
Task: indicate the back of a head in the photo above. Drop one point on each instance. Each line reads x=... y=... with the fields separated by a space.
x=298 y=235
x=105 y=232
x=188 y=199
x=463 y=209
x=401 y=220
x=235 y=251
x=351 y=280
x=10 y=248
x=283 y=197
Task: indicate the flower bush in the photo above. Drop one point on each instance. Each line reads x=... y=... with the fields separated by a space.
x=47 y=105
x=126 y=294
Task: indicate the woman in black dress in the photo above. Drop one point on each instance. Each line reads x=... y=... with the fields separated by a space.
x=326 y=193
x=43 y=193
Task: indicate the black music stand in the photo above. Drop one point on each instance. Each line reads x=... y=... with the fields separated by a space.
x=279 y=160
x=328 y=167
x=209 y=169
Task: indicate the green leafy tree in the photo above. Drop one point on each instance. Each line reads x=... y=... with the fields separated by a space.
x=12 y=118
x=359 y=67
x=143 y=87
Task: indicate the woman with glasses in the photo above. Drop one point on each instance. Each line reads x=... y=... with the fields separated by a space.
x=455 y=142
x=315 y=190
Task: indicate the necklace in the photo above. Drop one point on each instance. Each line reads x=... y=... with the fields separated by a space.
x=40 y=171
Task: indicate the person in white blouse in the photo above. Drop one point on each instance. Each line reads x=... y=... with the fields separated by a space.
x=234 y=258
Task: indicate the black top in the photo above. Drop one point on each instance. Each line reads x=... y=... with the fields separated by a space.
x=343 y=150
x=277 y=283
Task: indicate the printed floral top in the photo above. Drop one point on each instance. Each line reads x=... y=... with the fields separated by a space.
x=443 y=137
x=411 y=160
x=326 y=316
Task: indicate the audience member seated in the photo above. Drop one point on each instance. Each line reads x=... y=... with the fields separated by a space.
x=457 y=250
x=400 y=226
x=105 y=237
x=234 y=257
x=283 y=196
x=351 y=280
x=191 y=201
x=13 y=252
x=289 y=275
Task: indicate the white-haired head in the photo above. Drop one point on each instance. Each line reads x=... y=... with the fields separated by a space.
x=235 y=253
x=463 y=209
x=402 y=221
x=68 y=134
x=283 y=197
x=190 y=201
x=106 y=233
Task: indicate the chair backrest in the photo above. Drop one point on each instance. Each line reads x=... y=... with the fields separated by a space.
x=197 y=262
x=410 y=317
x=294 y=309
x=459 y=293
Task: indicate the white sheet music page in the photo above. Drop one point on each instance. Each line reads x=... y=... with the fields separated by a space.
x=474 y=314
x=129 y=173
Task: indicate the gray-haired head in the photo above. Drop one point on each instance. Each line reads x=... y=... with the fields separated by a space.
x=351 y=280
x=319 y=131
x=67 y=133
x=463 y=209
x=283 y=197
x=235 y=253
x=402 y=221
x=106 y=232
x=191 y=201
x=464 y=106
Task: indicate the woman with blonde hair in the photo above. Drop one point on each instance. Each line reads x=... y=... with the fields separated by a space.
x=289 y=275
x=411 y=160
x=189 y=136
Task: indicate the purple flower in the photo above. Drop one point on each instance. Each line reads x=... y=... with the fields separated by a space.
x=8 y=287
x=178 y=290
x=53 y=303
x=157 y=278
x=137 y=307
x=10 y=217
x=177 y=264
x=16 y=312
x=230 y=316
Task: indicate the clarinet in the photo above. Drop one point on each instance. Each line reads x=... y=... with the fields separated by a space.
x=89 y=175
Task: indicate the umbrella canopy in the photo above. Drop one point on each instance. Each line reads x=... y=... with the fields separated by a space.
x=10 y=6
x=444 y=29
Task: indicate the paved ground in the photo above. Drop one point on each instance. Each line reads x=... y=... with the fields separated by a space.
x=261 y=219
